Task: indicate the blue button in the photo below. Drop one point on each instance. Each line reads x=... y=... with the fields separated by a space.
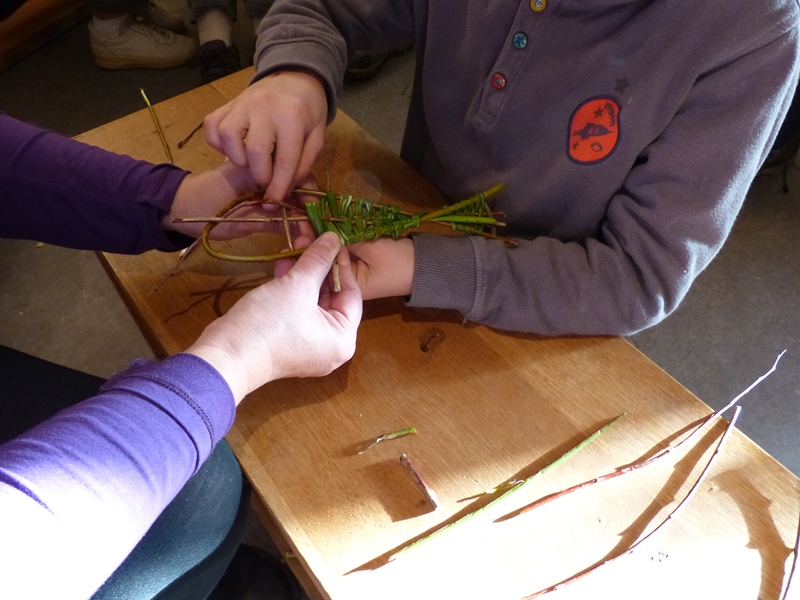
x=520 y=40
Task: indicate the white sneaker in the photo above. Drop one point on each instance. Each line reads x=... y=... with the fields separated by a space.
x=141 y=45
x=157 y=15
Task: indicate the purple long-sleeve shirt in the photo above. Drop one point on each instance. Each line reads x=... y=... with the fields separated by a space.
x=80 y=490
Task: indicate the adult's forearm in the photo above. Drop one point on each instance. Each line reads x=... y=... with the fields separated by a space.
x=63 y=192
x=78 y=491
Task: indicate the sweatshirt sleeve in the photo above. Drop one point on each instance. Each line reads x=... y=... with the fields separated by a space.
x=657 y=232
x=63 y=192
x=79 y=491
x=323 y=37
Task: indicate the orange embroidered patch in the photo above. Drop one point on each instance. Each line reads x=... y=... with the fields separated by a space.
x=594 y=130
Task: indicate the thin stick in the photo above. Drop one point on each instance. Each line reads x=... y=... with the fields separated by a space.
x=285 y=219
x=337 y=281
x=503 y=497
x=387 y=436
x=668 y=518
x=652 y=459
x=241 y=219
x=785 y=594
x=427 y=491
x=182 y=143
x=158 y=126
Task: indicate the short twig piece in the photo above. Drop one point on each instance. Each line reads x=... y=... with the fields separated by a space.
x=158 y=126
x=337 y=281
x=182 y=143
x=430 y=495
x=387 y=436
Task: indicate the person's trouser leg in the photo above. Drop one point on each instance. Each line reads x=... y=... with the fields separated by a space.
x=188 y=548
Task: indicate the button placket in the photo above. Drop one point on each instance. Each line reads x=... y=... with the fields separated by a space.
x=511 y=59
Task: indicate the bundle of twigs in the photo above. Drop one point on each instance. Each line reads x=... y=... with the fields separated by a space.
x=354 y=219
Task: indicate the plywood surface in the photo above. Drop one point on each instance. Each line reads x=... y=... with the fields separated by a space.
x=488 y=406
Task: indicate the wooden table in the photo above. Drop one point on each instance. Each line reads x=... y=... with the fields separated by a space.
x=488 y=406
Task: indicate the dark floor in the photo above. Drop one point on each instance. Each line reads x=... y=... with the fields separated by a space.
x=742 y=311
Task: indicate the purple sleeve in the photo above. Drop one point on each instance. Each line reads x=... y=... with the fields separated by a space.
x=63 y=192
x=78 y=491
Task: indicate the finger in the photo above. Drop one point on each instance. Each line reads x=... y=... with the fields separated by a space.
x=348 y=301
x=305 y=230
x=211 y=126
x=282 y=267
x=311 y=148
x=303 y=241
x=307 y=183
x=289 y=146
x=317 y=259
x=261 y=143
x=232 y=131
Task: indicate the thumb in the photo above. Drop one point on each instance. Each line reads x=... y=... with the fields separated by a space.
x=316 y=261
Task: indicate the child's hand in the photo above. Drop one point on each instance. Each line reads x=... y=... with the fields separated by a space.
x=383 y=268
x=275 y=128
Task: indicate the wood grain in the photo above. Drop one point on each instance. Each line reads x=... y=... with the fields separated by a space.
x=488 y=406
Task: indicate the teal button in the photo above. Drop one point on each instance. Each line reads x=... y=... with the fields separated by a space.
x=520 y=40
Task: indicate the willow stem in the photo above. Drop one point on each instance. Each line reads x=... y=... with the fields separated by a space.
x=504 y=497
x=158 y=126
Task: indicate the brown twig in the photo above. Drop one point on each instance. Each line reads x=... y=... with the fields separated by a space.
x=182 y=143
x=652 y=459
x=337 y=280
x=658 y=527
x=285 y=219
x=795 y=550
x=427 y=491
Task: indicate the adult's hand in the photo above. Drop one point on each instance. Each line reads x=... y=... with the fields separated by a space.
x=207 y=193
x=293 y=326
x=275 y=128
x=383 y=268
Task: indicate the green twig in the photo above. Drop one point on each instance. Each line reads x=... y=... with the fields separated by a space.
x=503 y=497
x=387 y=436
x=158 y=126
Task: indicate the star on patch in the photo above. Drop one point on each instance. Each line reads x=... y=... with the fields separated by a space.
x=622 y=84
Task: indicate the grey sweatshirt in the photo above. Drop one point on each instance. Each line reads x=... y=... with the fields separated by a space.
x=626 y=133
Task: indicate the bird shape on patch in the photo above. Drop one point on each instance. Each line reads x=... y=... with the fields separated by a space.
x=594 y=130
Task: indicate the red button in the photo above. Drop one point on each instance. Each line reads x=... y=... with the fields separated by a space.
x=498 y=81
